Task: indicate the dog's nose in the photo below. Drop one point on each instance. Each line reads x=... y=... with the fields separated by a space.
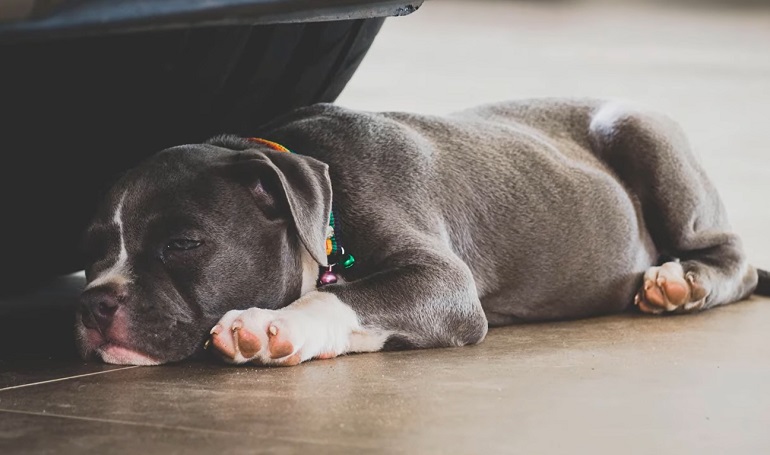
x=98 y=306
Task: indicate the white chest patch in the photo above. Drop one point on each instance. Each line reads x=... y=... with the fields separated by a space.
x=309 y=272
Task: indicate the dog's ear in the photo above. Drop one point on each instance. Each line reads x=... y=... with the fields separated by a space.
x=301 y=182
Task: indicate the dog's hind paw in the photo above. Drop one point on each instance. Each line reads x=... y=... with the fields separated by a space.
x=668 y=289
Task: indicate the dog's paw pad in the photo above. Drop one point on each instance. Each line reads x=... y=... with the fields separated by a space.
x=326 y=355
x=278 y=345
x=668 y=289
x=234 y=337
x=222 y=342
x=290 y=361
x=247 y=342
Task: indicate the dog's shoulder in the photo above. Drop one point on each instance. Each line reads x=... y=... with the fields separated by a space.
x=329 y=129
x=319 y=117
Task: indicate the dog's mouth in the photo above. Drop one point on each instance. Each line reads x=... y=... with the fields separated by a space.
x=118 y=354
x=94 y=343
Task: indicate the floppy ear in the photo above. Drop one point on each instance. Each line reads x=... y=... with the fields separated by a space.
x=307 y=189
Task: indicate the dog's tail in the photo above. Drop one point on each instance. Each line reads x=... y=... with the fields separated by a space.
x=763 y=287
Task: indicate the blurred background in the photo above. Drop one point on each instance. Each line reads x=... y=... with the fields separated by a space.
x=704 y=63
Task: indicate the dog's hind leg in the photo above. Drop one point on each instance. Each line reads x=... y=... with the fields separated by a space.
x=681 y=209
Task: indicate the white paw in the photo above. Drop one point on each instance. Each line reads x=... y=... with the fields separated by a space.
x=318 y=325
x=259 y=336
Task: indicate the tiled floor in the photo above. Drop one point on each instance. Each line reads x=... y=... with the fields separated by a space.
x=627 y=383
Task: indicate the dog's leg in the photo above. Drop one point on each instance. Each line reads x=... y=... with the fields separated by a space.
x=422 y=299
x=681 y=209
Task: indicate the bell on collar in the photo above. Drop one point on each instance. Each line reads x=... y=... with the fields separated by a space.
x=328 y=277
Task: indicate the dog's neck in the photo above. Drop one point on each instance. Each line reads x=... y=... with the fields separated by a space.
x=309 y=271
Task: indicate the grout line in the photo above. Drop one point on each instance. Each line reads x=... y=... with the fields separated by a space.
x=65 y=378
x=158 y=426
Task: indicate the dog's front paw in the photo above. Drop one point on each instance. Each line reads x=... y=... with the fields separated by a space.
x=668 y=289
x=318 y=325
x=265 y=337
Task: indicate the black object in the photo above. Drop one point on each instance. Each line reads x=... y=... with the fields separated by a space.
x=75 y=113
x=31 y=19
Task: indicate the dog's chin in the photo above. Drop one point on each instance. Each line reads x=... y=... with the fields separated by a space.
x=92 y=344
x=119 y=355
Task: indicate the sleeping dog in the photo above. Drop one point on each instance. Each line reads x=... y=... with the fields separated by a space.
x=335 y=231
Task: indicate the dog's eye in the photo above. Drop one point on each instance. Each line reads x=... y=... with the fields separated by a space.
x=182 y=244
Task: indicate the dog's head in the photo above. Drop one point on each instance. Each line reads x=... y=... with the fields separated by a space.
x=194 y=232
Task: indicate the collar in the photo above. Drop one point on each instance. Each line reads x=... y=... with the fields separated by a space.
x=335 y=252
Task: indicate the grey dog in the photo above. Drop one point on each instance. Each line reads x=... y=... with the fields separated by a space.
x=521 y=211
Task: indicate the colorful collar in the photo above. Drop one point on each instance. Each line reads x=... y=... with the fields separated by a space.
x=335 y=253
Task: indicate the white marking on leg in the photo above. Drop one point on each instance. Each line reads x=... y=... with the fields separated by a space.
x=335 y=325
x=371 y=340
x=119 y=273
x=607 y=117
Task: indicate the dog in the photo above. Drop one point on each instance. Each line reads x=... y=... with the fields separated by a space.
x=334 y=231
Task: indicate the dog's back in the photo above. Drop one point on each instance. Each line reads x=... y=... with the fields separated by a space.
x=513 y=188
